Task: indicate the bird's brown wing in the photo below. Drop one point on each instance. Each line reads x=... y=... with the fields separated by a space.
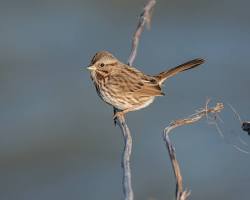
x=131 y=80
x=150 y=86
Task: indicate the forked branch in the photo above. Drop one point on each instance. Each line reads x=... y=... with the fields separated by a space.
x=180 y=194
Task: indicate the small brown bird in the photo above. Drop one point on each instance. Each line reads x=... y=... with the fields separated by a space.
x=126 y=88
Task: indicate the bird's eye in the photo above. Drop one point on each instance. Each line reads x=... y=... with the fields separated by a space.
x=102 y=65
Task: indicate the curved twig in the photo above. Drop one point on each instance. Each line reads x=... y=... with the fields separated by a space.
x=180 y=194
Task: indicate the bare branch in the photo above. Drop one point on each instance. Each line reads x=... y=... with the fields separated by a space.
x=180 y=194
x=127 y=186
x=145 y=18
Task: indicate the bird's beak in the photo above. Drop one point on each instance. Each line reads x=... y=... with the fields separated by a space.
x=91 y=68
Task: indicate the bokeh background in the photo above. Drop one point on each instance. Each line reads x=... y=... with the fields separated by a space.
x=57 y=139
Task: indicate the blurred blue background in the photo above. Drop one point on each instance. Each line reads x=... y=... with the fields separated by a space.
x=57 y=138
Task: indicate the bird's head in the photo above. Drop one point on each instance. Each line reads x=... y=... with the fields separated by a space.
x=103 y=63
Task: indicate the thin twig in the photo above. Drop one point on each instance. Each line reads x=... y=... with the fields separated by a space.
x=235 y=112
x=240 y=149
x=180 y=194
x=127 y=186
x=145 y=18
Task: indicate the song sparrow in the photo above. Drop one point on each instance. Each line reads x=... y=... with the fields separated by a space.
x=126 y=88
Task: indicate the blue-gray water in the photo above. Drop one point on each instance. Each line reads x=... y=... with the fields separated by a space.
x=57 y=139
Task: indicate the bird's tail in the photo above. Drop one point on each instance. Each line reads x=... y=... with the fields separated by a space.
x=172 y=72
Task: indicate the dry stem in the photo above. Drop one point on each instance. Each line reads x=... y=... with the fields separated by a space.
x=145 y=18
x=180 y=194
x=127 y=186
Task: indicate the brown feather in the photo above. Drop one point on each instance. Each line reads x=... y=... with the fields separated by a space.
x=130 y=83
x=183 y=67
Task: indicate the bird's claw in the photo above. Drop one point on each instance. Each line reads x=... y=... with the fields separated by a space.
x=117 y=115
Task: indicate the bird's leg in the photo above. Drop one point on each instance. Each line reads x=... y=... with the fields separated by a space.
x=122 y=113
x=118 y=114
x=115 y=111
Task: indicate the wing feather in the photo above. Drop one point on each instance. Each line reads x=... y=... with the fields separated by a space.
x=131 y=80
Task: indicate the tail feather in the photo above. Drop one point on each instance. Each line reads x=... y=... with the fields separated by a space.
x=172 y=72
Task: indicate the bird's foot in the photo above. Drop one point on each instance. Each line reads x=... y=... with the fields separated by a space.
x=118 y=114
